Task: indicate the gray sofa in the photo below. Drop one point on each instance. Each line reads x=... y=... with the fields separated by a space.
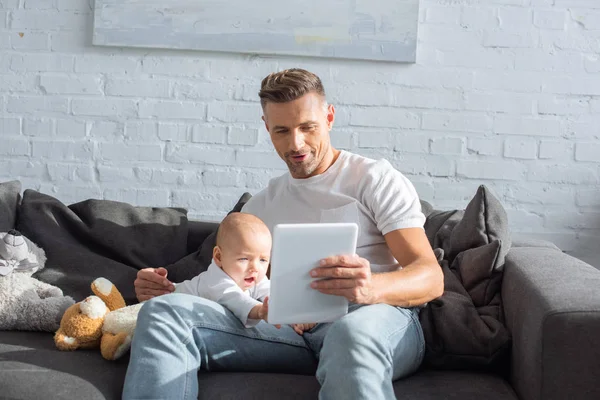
x=551 y=305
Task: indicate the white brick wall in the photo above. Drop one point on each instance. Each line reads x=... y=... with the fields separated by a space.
x=504 y=92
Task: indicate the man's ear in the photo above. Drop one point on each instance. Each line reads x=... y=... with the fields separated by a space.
x=265 y=121
x=330 y=116
x=218 y=256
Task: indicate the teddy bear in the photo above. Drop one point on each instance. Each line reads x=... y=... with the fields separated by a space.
x=27 y=303
x=101 y=320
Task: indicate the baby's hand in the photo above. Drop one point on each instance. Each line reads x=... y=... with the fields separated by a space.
x=301 y=328
x=264 y=311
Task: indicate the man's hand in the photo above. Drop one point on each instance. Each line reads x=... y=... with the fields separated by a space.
x=346 y=275
x=152 y=282
x=301 y=328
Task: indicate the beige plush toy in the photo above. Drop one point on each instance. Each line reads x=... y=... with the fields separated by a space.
x=101 y=321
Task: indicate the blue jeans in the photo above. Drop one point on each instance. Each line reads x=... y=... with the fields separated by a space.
x=356 y=357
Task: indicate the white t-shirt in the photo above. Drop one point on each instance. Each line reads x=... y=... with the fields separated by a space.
x=371 y=193
x=214 y=284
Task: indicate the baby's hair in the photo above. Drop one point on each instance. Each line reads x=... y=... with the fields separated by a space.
x=236 y=221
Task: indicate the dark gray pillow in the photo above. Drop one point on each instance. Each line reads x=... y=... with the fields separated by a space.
x=198 y=262
x=464 y=328
x=10 y=197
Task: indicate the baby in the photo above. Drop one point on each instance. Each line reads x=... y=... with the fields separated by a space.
x=237 y=277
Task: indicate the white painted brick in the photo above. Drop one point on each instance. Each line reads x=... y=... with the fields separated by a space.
x=541 y=60
x=242 y=136
x=341 y=138
x=10 y=126
x=571 y=220
x=70 y=172
x=549 y=19
x=550 y=149
x=194 y=154
x=479 y=17
x=385 y=117
x=514 y=18
x=234 y=112
x=14 y=147
x=587 y=198
x=437 y=99
x=41 y=62
x=9 y=4
x=570 y=40
x=497 y=170
x=22 y=168
x=130 y=152
x=48 y=20
x=412 y=142
x=192 y=90
x=18 y=83
x=456 y=122
x=62 y=150
x=106 y=130
x=461 y=191
x=527 y=126
x=257 y=179
x=108 y=107
x=513 y=80
x=107 y=64
x=435 y=14
x=423 y=164
x=559 y=105
x=4 y=65
x=160 y=176
x=514 y=103
x=247 y=92
x=488 y=58
x=419 y=76
x=228 y=67
x=447 y=145
x=485 y=146
x=424 y=190
x=221 y=178
x=69 y=42
x=521 y=148
x=375 y=138
x=503 y=39
x=172 y=109
x=74 y=5
x=448 y=37
x=587 y=151
x=141 y=131
x=139 y=197
x=573 y=86
x=595 y=105
x=74 y=84
x=29 y=40
x=592 y=64
x=583 y=127
x=589 y=19
x=259 y=159
x=36 y=104
x=561 y=173
x=116 y=174
x=173 y=132
x=371 y=94
x=70 y=128
x=576 y=3
x=39 y=4
x=527 y=221
x=209 y=134
x=138 y=87
x=38 y=127
x=3 y=19
x=175 y=65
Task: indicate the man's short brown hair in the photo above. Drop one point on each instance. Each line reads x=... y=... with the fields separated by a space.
x=289 y=85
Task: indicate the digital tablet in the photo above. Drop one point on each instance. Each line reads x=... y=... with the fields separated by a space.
x=298 y=248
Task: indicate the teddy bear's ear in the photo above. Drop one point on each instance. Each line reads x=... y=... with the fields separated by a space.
x=104 y=289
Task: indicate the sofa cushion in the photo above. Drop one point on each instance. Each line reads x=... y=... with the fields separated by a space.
x=10 y=196
x=30 y=365
x=100 y=238
x=464 y=327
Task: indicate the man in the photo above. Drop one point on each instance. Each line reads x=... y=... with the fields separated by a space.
x=393 y=273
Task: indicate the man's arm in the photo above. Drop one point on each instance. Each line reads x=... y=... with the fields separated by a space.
x=419 y=281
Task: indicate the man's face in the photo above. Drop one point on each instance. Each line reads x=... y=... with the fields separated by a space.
x=299 y=131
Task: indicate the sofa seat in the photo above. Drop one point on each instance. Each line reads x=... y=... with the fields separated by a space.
x=32 y=368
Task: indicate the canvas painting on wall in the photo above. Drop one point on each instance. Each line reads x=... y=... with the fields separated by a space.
x=384 y=30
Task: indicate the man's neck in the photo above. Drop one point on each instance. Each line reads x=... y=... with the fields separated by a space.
x=328 y=161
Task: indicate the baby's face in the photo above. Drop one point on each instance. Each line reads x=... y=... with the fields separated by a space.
x=246 y=261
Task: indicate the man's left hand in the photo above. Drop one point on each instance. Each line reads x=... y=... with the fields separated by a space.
x=345 y=275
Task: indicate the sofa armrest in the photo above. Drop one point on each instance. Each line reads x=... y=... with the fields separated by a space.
x=552 y=309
